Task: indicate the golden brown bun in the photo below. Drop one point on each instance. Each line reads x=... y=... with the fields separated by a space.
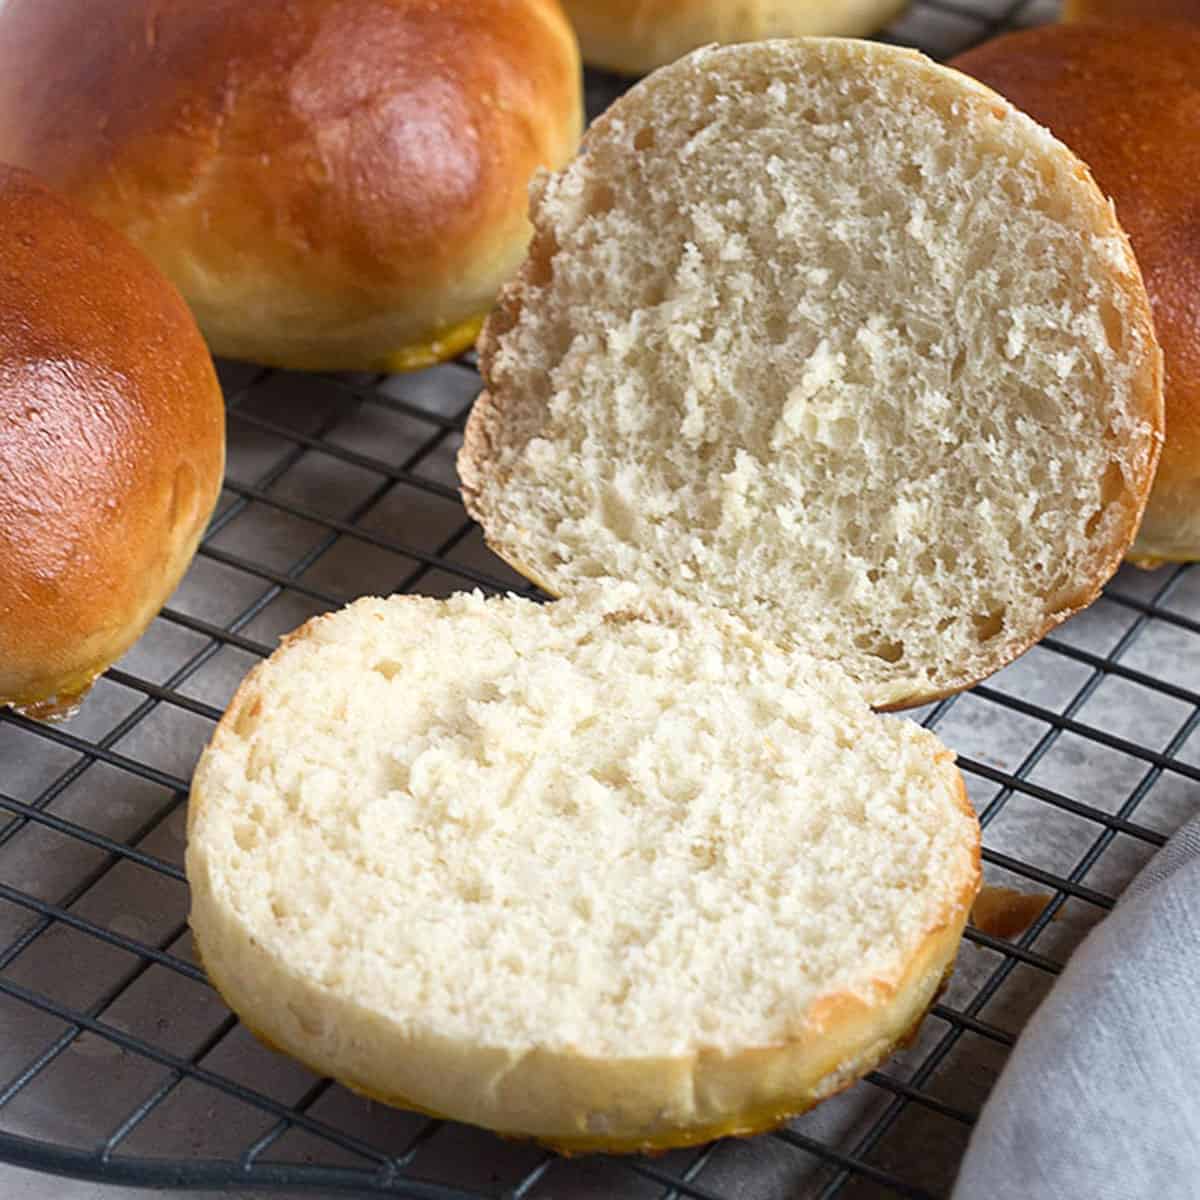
x=331 y=183
x=1127 y=101
x=1132 y=10
x=635 y=36
x=112 y=437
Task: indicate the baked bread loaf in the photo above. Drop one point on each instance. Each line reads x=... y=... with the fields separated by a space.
x=635 y=36
x=1127 y=101
x=832 y=337
x=112 y=441
x=626 y=877
x=1135 y=11
x=332 y=184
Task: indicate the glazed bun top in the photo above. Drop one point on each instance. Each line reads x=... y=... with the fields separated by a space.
x=111 y=443
x=330 y=183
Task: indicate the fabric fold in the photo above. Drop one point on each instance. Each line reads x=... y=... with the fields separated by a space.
x=1101 y=1096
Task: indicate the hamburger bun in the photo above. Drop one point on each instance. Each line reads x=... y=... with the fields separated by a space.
x=331 y=184
x=834 y=338
x=623 y=877
x=1138 y=11
x=112 y=431
x=1127 y=101
x=636 y=36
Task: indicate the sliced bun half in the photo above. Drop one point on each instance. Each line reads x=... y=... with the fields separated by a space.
x=627 y=877
x=1127 y=101
x=832 y=337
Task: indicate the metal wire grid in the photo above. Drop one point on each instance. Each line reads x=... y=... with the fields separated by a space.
x=118 y=1062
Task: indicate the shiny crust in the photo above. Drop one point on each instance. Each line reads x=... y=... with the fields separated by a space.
x=635 y=36
x=112 y=431
x=648 y=1104
x=330 y=183
x=1127 y=101
x=498 y=419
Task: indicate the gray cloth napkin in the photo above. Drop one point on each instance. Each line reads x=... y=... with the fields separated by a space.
x=1100 y=1100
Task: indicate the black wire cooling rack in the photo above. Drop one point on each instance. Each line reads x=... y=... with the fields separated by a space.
x=118 y=1062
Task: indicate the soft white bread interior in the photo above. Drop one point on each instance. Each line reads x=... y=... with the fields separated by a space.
x=835 y=338
x=635 y=36
x=1126 y=99
x=623 y=876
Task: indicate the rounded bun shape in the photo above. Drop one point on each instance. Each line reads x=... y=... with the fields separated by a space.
x=331 y=184
x=112 y=433
x=635 y=36
x=794 y=324
x=612 y=872
x=1127 y=101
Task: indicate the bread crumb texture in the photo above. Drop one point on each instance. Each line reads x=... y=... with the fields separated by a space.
x=619 y=829
x=837 y=339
